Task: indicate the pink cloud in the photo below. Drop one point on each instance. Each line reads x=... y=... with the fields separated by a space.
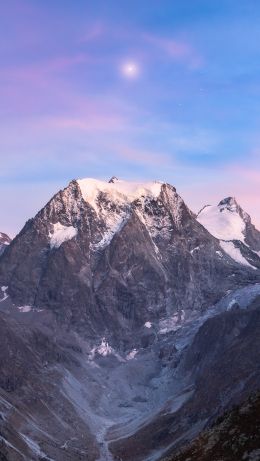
x=93 y=32
x=92 y=122
x=42 y=69
x=39 y=87
x=176 y=49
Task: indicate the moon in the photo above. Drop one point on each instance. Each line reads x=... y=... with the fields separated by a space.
x=130 y=69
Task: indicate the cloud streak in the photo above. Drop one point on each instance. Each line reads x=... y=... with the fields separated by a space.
x=178 y=50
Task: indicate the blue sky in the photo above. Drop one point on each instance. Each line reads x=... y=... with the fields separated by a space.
x=189 y=114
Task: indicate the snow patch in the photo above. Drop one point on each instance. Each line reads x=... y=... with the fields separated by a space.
x=235 y=253
x=103 y=349
x=132 y=354
x=172 y=323
x=5 y=295
x=61 y=234
x=25 y=308
x=231 y=305
x=148 y=324
x=115 y=223
x=224 y=223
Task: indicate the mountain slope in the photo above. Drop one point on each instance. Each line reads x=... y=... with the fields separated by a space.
x=217 y=369
x=235 y=436
x=229 y=223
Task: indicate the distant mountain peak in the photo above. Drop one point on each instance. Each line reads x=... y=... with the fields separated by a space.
x=228 y=221
x=4 y=241
x=225 y=220
x=113 y=179
x=228 y=202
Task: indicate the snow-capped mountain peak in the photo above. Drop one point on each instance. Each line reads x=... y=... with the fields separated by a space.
x=229 y=223
x=229 y=203
x=224 y=220
x=116 y=201
x=117 y=190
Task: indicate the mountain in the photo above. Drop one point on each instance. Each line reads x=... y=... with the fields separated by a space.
x=126 y=328
x=229 y=223
x=4 y=241
x=121 y=254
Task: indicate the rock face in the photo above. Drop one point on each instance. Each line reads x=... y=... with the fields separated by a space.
x=36 y=415
x=107 y=257
x=229 y=223
x=4 y=242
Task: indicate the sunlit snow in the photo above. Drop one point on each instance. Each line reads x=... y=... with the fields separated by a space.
x=148 y=325
x=118 y=191
x=25 y=308
x=61 y=234
x=224 y=223
x=119 y=196
x=5 y=295
x=235 y=253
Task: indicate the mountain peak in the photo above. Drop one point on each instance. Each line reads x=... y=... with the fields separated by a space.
x=4 y=242
x=113 y=180
x=117 y=190
x=4 y=239
x=230 y=203
x=226 y=221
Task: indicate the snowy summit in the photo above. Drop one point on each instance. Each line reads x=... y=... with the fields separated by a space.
x=119 y=191
x=224 y=221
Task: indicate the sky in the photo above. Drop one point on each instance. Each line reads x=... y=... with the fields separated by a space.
x=142 y=90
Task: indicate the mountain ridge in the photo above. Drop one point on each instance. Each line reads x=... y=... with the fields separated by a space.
x=88 y=233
